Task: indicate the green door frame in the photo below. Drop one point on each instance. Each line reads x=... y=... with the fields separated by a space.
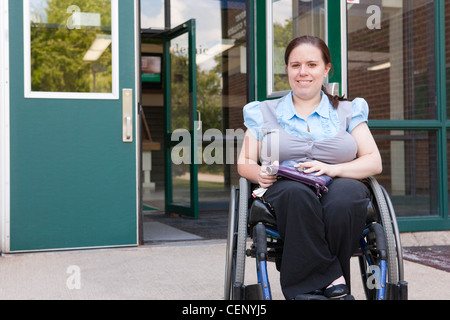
x=334 y=40
x=336 y=24
x=191 y=210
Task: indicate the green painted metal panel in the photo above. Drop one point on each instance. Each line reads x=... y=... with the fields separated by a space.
x=422 y=224
x=73 y=180
x=261 y=50
x=334 y=40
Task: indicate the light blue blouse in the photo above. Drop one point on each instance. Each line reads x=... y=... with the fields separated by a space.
x=323 y=123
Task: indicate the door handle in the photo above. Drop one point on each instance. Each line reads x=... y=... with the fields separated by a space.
x=127 y=117
x=128 y=128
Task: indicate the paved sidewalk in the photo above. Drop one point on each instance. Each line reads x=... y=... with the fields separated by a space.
x=175 y=271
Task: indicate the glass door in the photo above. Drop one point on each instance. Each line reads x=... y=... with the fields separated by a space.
x=222 y=31
x=180 y=100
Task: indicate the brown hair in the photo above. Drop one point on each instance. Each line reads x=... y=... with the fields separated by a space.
x=326 y=56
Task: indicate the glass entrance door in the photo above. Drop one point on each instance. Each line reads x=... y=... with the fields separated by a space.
x=180 y=100
x=222 y=89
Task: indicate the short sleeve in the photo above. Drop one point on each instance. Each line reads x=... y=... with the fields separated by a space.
x=360 y=113
x=253 y=119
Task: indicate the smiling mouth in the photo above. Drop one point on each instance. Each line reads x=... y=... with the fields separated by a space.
x=304 y=82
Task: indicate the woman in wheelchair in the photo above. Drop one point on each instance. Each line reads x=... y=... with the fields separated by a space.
x=324 y=134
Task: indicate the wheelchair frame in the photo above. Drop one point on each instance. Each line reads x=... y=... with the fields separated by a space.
x=380 y=255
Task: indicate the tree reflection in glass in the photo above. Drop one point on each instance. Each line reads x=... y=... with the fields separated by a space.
x=71 y=46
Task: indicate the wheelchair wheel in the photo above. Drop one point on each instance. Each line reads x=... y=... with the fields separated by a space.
x=236 y=241
x=385 y=216
x=385 y=220
x=399 y=249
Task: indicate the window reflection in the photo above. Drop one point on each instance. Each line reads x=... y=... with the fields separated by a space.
x=448 y=170
x=221 y=31
x=447 y=53
x=409 y=170
x=293 y=18
x=152 y=14
x=391 y=57
x=71 y=46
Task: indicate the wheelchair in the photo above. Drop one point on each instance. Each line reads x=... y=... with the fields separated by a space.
x=380 y=254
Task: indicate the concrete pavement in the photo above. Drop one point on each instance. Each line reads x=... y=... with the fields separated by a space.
x=176 y=271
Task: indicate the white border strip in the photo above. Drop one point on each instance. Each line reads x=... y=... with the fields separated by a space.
x=269 y=54
x=72 y=95
x=344 y=53
x=137 y=122
x=269 y=47
x=5 y=203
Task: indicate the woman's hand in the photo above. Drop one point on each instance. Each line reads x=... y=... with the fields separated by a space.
x=317 y=167
x=248 y=166
x=265 y=180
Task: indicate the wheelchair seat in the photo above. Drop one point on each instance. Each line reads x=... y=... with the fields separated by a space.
x=259 y=212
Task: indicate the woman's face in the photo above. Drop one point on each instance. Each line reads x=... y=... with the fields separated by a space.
x=306 y=71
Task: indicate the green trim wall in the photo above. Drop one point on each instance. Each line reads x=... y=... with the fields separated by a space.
x=260 y=48
x=334 y=40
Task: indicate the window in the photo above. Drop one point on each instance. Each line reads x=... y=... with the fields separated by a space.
x=409 y=170
x=70 y=49
x=289 y=19
x=447 y=52
x=448 y=171
x=391 y=58
x=152 y=14
x=395 y=63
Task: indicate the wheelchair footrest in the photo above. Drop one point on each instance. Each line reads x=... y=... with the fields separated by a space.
x=398 y=291
x=250 y=292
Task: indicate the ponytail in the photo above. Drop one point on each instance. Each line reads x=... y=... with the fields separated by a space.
x=334 y=100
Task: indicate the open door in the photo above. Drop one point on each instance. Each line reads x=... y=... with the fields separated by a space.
x=73 y=148
x=180 y=100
